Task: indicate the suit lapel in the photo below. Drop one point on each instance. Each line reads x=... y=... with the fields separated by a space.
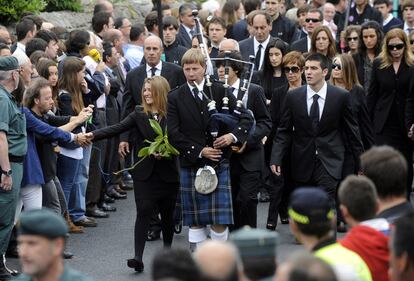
x=304 y=107
x=327 y=106
x=191 y=104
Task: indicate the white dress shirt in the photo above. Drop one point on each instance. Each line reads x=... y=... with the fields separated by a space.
x=256 y=48
x=188 y=30
x=201 y=86
x=236 y=86
x=321 y=101
x=134 y=55
x=157 y=71
x=406 y=27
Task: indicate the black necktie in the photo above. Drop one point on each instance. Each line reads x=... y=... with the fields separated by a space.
x=314 y=113
x=258 y=56
x=197 y=98
x=153 y=70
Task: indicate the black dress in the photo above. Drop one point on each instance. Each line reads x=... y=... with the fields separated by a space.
x=156 y=182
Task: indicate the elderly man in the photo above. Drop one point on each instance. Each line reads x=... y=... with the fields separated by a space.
x=42 y=235
x=13 y=147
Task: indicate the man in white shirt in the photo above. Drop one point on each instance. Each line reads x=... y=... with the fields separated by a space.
x=408 y=15
x=135 y=50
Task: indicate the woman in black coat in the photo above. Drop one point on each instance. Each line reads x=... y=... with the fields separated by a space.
x=390 y=97
x=156 y=179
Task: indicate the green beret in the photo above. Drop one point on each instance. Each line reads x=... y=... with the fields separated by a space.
x=42 y=222
x=254 y=242
x=8 y=63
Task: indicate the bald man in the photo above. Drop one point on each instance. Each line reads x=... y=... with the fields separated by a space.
x=229 y=45
x=219 y=261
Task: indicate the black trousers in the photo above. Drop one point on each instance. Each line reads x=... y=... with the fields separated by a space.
x=244 y=187
x=145 y=209
x=322 y=179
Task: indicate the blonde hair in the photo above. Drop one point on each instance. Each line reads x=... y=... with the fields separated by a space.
x=349 y=71
x=159 y=90
x=385 y=55
x=193 y=55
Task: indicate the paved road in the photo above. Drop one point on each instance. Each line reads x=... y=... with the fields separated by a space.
x=101 y=252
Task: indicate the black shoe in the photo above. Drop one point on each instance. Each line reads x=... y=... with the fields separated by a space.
x=271 y=226
x=120 y=190
x=127 y=185
x=153 y=235
x=178 y=228
x=67 y=255
x=106 y=208
x=284 y=220
x=86 y=222
x=96 y=213
x=136 y=264
x=115 y=195
x=108 y=199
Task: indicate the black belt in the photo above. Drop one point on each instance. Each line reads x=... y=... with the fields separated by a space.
x=101 y=108
x=16 y=159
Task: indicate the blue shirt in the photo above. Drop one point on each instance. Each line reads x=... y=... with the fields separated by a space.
x=32 y=169
x=134 y=55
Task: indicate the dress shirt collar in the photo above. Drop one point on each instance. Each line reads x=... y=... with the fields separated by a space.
x=264 y=43
x=201 y=86
x=158 y=67
x=387 y=20
x=406 y=27
x=236 y=87
x=188 y=30
x=321 y=93
x=309 y=42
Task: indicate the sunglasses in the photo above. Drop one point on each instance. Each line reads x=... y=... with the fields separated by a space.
x=396 y=46
x=352 y=38
x=312 y=20
x=293 y=69
x=336 y=66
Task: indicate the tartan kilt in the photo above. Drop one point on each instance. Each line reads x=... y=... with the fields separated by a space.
x=206 y=209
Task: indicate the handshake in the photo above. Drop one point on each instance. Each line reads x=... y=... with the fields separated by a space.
x=82 y=139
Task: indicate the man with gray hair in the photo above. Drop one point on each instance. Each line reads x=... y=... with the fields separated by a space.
x=229 y=45
x=13 y=147
x=187 y=26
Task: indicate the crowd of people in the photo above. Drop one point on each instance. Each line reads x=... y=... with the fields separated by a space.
x=203 y=112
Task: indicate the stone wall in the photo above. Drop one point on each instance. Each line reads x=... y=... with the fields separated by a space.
x=132 y=9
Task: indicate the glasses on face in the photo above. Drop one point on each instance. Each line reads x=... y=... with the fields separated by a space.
x=395 y=46
x=293 y=69
x=352 y=39
x=308 y=20
x=336 y=66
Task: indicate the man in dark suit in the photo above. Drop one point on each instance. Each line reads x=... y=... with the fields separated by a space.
x=187 y=26
x=282 y=27
x=314 y=120
x=246 y=166
x=256 y=46
x=188 y=131
x=314 y=18
x=153 y=49
x=240 y=31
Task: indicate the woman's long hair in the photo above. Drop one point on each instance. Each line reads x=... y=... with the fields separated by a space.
x=229 y=12
x=367 y=25
x=68 y=81
x=349 y=71
x=331 y=48
x=159 y=91
x=42 y=68
x=385 y=55
x=268 y=69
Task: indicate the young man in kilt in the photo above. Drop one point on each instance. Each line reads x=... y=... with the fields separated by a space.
x=188 y=131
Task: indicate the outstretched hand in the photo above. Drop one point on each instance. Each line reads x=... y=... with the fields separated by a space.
x=82 y=140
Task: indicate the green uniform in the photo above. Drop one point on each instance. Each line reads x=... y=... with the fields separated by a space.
x=69 y=274
x=337 y=255
x=13 y=123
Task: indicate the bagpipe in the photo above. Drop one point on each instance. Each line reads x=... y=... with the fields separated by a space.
x=222 y=122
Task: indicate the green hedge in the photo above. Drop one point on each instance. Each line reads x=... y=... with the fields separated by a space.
x=11 y=11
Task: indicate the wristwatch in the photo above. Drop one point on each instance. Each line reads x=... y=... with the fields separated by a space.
x=7 y=173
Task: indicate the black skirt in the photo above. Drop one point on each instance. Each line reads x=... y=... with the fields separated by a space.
x=154 y=187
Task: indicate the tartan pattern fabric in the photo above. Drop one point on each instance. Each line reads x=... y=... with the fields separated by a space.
x=206 y=209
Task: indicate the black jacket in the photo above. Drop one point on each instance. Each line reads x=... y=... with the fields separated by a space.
x=183 y=38
x=174 y=53
x=369 y=14
x=167 y=169
x=188 y=125
x=301 y=45
x=252 y=157
x=388 y=89
x=283 y=28
x=295 y=132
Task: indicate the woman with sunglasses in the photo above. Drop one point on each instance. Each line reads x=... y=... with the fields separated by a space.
x=390 y=97
x=271 y=75
x=411 y=38
x=344 y=76
x=352 y=34
x=156 y=178
x=370 y=42
x=293 y=63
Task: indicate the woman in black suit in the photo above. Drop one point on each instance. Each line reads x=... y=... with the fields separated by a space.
x=156 y=179
x=390 y=97
x=292 y=67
